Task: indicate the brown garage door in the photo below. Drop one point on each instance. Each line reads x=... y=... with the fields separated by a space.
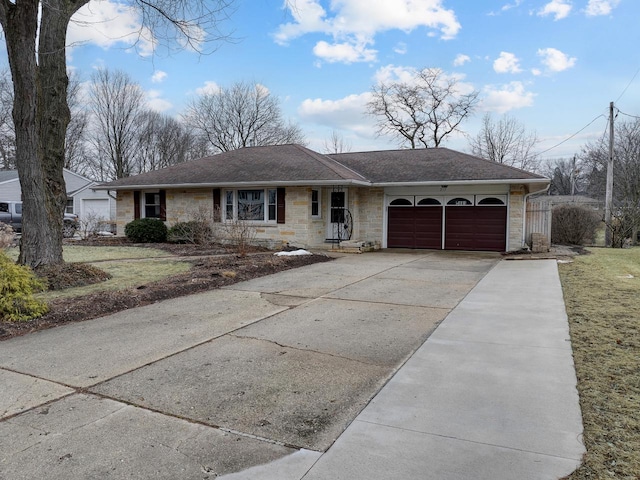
x=476 y=228
x=415 y=227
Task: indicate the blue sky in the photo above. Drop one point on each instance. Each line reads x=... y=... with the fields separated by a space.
x=554 y=65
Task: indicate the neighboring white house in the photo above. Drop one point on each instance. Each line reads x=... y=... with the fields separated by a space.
x=82 y=199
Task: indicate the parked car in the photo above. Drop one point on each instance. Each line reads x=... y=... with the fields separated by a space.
x=11 y=213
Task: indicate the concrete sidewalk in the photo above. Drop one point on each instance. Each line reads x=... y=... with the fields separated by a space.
x=263 y=377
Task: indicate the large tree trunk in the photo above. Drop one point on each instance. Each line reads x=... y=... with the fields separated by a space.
x=41 y=116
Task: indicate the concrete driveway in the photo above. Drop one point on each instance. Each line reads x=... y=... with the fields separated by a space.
x=266 y=372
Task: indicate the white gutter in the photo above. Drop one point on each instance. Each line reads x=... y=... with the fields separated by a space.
x=460 y=182
x=298 y=183
x=524 y=211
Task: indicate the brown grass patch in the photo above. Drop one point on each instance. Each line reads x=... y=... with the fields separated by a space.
x=602 y=296
x=69 y=275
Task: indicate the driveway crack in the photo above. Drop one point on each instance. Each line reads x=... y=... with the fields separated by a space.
x=307 y=350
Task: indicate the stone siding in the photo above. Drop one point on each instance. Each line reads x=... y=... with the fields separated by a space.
x=367 y=210
x=124 y=210
x=516 y=219
x=186 y=204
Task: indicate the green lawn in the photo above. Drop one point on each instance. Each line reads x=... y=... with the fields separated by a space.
x=78 y=253
x=124 y=274
x=128 y=266
x=602 y=295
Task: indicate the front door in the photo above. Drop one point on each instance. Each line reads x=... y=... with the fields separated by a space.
x=338 y=226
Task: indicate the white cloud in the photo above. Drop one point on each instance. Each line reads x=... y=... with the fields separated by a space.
x=393 y=73
x=158 y=76
x=208 y=87
x=409 y=75
x=509 y=6
x=156 y=102
x=346 y=113
x=507 y=63
x=460 y=60
x=503 y=98
x=108 y=23
x=400 y=48
x=600 y=7
x=555 y=60
x=343 y=52
x=356 y=23
x=558 y=8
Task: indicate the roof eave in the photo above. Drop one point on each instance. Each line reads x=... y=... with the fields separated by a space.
x=174 y=186
x=510 y=181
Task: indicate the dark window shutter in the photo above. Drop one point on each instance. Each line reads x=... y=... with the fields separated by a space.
x=217 y=205
x=163 y=205
x=136 y=205
x=280 y=208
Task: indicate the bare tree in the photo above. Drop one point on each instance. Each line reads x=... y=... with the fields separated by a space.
x=35 y=36
x=626 y=174
x=7 y=132
x=246 y=114
x=506 y=141
x=567 y=177
x=162 y=141
x=117 y=103
x=75 y=151
x=421 y=112
x=336 y=144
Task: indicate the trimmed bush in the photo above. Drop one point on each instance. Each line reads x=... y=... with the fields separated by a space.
x=146 y=230
x=193 y=231
x=574 y=225
x=17 y=286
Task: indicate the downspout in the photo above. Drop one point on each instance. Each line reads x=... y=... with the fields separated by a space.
x=524 y=211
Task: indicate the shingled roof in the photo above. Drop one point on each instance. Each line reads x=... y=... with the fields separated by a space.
x=297 y=165
x=277 y=164
x=429 y=165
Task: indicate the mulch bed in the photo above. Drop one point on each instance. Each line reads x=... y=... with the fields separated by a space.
x=213 y=268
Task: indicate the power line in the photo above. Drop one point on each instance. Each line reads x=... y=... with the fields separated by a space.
x=627 y=114
x=628 y=85
x=569 y=138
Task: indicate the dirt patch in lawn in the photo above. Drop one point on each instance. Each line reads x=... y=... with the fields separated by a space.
x=213 y=267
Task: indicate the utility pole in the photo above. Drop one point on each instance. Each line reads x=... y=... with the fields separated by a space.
x=608 y=202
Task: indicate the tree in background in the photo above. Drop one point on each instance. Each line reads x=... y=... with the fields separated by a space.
x=567 y=177
x=505 y=141
x=626 y=176
x=244 y=115
x=421 y=113
x=117 y=104
x=162 y=141
x=75 y=143
x=336 y=143
x=35 y=36
x=7 y=132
